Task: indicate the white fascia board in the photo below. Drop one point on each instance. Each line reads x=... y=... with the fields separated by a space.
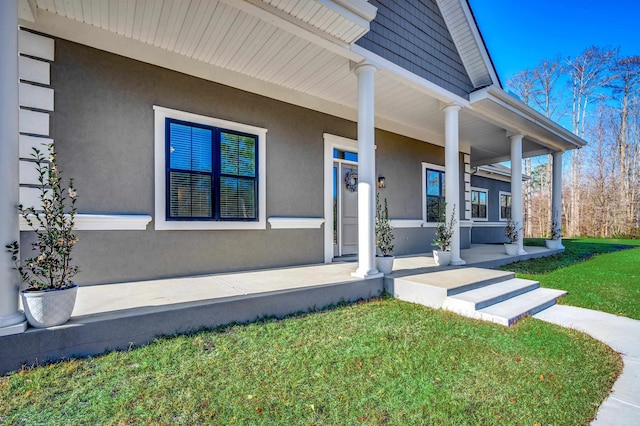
x=401 y=74
x=482 y=48
x=359 y=12
x=537 y=121
x=497 y=175
x=362 y=8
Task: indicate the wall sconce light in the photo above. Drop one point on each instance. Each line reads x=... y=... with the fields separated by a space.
x=381 y=182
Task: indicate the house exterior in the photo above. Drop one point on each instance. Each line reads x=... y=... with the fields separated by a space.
x=224 y=135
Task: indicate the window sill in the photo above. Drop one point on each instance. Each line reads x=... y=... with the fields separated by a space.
x=193 y=225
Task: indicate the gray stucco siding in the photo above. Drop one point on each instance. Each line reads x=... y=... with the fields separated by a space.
x=494 y=234
x=414 y=36
x=103 y=126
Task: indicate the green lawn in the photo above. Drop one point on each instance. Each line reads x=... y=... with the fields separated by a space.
x=598 y=274
x=380 y=362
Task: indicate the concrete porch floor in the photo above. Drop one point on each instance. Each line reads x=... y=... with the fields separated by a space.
x=122 y=299
x=122 y=315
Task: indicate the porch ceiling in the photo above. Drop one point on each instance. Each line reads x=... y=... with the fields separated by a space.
x=298 y=51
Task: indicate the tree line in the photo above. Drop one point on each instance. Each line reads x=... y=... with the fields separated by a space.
x=595 y=94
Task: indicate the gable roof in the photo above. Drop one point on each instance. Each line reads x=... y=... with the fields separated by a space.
x=468 y=40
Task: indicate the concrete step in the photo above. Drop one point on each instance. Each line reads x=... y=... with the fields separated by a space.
x=432 y=289
x=511 y=310
x=488 y=295
x=468 y=279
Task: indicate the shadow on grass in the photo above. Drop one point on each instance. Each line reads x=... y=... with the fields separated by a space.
x=576 y=251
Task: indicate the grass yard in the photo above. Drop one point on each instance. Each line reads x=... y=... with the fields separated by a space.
x=380 y=362
x=598 y=274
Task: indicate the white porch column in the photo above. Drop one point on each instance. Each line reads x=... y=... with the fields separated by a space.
x=556 y=192
x=12 y=321
x=452 y=177
x=516 y=186
x=366 y=173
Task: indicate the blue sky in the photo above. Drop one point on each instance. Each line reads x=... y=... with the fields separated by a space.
x=520 y=33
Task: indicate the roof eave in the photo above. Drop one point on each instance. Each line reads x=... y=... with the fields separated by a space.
x=517 y=117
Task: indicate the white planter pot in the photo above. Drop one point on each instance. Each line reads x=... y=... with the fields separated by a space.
x=553 y=244
x=384 y=264
x=50 y=307
x=511 y=249
x=442 y=258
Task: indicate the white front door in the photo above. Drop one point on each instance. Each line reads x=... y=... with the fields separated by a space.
x=348 y=208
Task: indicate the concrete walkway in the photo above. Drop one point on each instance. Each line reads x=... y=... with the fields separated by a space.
x=622 y=407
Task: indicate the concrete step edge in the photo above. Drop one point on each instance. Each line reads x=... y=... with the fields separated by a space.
x=494 y=293
x=481 y=283
x=511 y=310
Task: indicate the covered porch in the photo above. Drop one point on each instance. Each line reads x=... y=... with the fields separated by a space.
x=123 y=315
x=315 y=65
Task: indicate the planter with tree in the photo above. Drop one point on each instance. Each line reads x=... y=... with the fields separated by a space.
x=444 y=234
x=555 y=241
x=512 y=232
x=50 y=293
x=384 y=238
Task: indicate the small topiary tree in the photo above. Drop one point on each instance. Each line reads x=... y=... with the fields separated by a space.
x=384 y=234
x=444 y=230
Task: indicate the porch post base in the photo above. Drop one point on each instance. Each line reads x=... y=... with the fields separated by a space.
x=458 y=262
x=521 y=252
x=367 y=275
x=13 y=324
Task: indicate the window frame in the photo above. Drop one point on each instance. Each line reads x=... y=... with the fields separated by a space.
x=505 y=193
x=160 y=218
x=486 y=192
x=425 y=167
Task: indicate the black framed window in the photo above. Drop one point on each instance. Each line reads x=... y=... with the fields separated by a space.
x=435 y=196
x=211 y=173
x=478 y=204
x=505 y=206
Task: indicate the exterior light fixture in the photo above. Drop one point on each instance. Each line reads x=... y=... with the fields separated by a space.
x=381 y=182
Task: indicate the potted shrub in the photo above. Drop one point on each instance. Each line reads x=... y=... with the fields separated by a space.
x=50 y=293
x=444 y=233
x=555 y=241
x=512 y=232
x=384 y=238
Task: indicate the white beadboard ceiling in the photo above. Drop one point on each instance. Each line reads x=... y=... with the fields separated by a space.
x=300 y=45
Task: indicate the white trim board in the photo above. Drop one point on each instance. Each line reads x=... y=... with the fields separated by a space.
x=405 y=223
x=331 y=142
x=500 y=194
x=486 y=191
x=295 y=222
x=481 y=224
x=104 y=222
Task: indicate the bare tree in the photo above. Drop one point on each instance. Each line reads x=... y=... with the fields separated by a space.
x=626 y=89
x=588 y=73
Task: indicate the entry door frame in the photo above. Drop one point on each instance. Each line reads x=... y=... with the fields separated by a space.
x=332 y=142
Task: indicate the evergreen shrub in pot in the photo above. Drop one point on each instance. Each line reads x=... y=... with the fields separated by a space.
x=384 y=238
x=444 y=234
x=50 y=293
